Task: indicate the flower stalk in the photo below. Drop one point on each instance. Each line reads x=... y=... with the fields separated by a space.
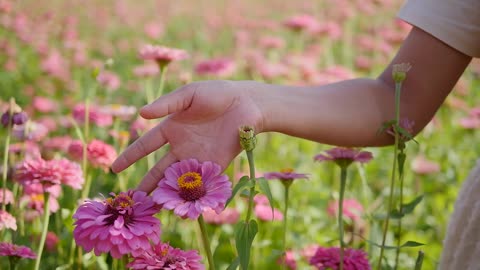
x=206 y=242
x=343 y=181
x=46 y=218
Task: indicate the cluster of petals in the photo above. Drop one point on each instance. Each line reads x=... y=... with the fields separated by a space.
x=122 y=224
x=263 y=210
x=7 y=221
x=109 y=80
x=351 y=209
x=286 y=174
x=164 y=256
x=6 y=196
x=50 y=173
x=289 y=260
x=95 y=115
x=44 y=105
x=421 y=165
x=123 y=112
x=329 y=258
x=341 y=154
x=162 y=55
x=190 y=187
x=301 y=22
x=99 y=154
x=221 y=67
x=227 y=216
x=33 y=131
x=12 y=250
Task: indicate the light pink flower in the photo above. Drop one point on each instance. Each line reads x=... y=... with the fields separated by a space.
x=164 y=256
x=190 y=188
x=261 y=199
x=329 y=258
x=50 y=173
x=11 y=250
x=301 y=22
x=146 y=70
x=264 y=212
x=422 y=165
x=8 y=196
x=37 y=188
x=351 y=208
x=101 y=154
x=285 y=175
x=221 y=67
x=289 y=260
x=44 y=105
x=124 y=224
x=121 y=111
x=162 y=55
x=32 y=131
x=29 y=149
x=54 y=65
x=227 y=216
x=344 y=156
x=36 y=202
x=153 y=30
x=271 y=42
x=95 y=115
x=7 y=221
x=109 y=80
x=59 y=143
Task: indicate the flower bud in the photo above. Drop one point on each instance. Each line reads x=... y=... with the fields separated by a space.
x=247 y=138
x=19 y=118
x=399 y=72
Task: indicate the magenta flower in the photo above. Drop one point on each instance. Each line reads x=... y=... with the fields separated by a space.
x=329 y=258
x=190 y=188
x=11 y=250
x=124 y=224
x=285 y=175
x=7 y=221
x=217 y=67
x=227 y=216
x=50 y=173
x=344 y=156
x=162 y=55
x=164 y=256
x=351 y=208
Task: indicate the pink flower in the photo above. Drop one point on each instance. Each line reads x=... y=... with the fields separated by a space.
x=29 y=149
x=344 y=156
x=190 y=188
x=329 y=258
x=51 y=241
x=164 y=256
x=153 y=30
x=271 y=42
x=32 y=131
x=124 y=224
x=37 y=188
x=285 y=175
x=44 y=105
x=216 y=67
x=109 y=80
x=351 y=208
x=8 y=196
x=421 y=165
x=121 y=111
x=261 y=199
x=9 y=249
x=54 y=65
x=407 y=125
x=7 y=221
x=289 y=260
x=50 y=173
x=162 y=55
x=227 y=216
x=301 y=22
x=146 y=70
x=95 y=115
x=36 y=202
x=100 y=154
x=59 y=143
x=264 y=213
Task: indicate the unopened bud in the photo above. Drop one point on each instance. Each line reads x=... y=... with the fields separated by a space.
x=14 y=115
x=399 y=72
x=247 y=138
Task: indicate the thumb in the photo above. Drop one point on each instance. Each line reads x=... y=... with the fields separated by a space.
x=176 y=101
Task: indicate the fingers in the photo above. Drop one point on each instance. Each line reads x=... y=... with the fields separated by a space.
x=176 y=101
x=149 y=142
x=151 y=179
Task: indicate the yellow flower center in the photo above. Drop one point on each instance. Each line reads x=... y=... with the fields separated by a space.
x=121 y=200
x=286 y=170
x=191 y=186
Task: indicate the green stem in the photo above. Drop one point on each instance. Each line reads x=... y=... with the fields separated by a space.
x=251 y=164
x=163 y=70
x=5 y=168
x=206 y=242
x=46 y=218
x=284 y=238
x=399 y=229
x=343 y=181
x=86 y=188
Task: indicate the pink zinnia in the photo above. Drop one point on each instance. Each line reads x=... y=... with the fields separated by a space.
x=59 y=143
x=164 y=256
x=95 y=115
x=8 y=198
x=146 y=70
x=44 y=105
x=351 y=208
x=50 y=173
x=11 y=250
x=190 y=188
x=100 y=154
x=36 y=202
x=217 y=67
x=162 y=55
x=264 y=212
x=344 y=156
x=109 y=80
x=329 y=258
x=289 y=260
x=301 y=22
x=227 y=216
x=421 y=165
x=285 y=175
x=120 y=225
x=7 y=221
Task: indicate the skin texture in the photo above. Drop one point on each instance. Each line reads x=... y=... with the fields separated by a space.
x=202 y=118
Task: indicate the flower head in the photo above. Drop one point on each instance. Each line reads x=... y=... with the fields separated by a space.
x=6 y=196
x=162 y=55
x=190 y=188
x=289 y=260
x=264 y=212
x=227 y=216
x=351 y=208
x=344 y=156
x=95 y=115
x=248 y=141
x=164 y=256
x=217 y=67
x=329 y=258
x=286 y=176
x=405 y=124
x=9 y=249
x=121 y=224
x=7 y=221
x=399 y=71
x=301 y=22
x=421 y=165
x=99 y=154
x=13 y=115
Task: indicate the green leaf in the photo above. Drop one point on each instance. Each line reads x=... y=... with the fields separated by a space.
x=242 y=183
x=244 y=235
x=401 y=162
x=409 y=207
x=386 y=126
x=234 y=264
x=405 y=245
x=265 y=188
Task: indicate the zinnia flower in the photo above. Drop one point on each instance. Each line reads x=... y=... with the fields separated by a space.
x=289 y=260
x=216 y=67
x=164 y=256
x=99 y=154
x=7 y=221
x=162 y=55
x=190 y=188
x=301 y=22
x=421 y=165
x=95 y=115
x=344 y=156
x=264 y=212
x=227 y=216
x=9 y=249
x=329 y=258
x=8 y=196
x=286 y=176
x=351 y=208
x=50 y=173
x=120 y=225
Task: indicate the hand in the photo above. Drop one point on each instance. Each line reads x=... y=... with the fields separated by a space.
x=202 y=123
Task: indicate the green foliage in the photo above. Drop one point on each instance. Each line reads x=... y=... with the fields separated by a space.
x=244 y=234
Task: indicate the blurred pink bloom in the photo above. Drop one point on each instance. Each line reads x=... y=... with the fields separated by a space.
x=329 y=258
x=7 y=221
x=261 y=199
x=264 y=213
x=146 y=70
x=75 y=150
x=59 y=143
x=50 y=173
x=99 y=154
x=301 y=22
x=122 y=224
x=164 y=256
x=95 y=115
x=271 y=71
x=289 y=260
x=344 y=156
x=470 y=122
x=32 y=131
x=331 y=29
x=54 y=65
x=5 y=6
x=11 y=250
x=421 y=165
x=227 y=216
x=37 y=188
x=29 y=149
x=44 y=105
x=121 y=111
x=351 y=209
x=309 y=251
x=8 y=199
x=363 y=63
x=153 y=30
x=162 y=55
x=109 y=80
x=272 y=42
x=36 y=202
x=10 y=65
x=286 y=174
x=221 y=67
x=190 y=188
x=52 y=241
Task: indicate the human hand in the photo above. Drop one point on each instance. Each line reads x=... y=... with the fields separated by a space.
x=202 y=123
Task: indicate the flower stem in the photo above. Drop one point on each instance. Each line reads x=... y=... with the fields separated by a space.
x=46 y=218
x=284 y=238
x=251 y=164
x=399 y=229
x=206 y=242
x=5 y=168
x=163 y=70
x=343 y=181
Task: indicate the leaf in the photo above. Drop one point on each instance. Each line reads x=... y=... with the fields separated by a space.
x=386 y=126
x=409 y=207
x=242 y=183
x=401 y=162
x=244 y=235
x=234 y=264
x=405 y=245
x=265 y=188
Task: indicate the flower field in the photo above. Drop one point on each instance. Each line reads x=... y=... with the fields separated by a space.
x=74 y=75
